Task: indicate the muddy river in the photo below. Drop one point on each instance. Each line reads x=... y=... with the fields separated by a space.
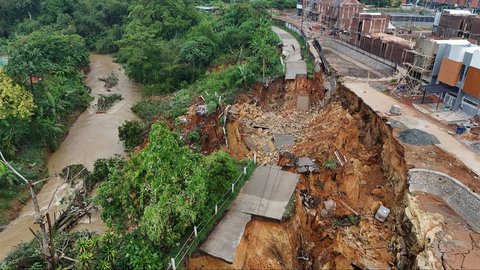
x=92 y=136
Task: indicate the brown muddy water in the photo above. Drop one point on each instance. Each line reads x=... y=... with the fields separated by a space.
x=92 y=136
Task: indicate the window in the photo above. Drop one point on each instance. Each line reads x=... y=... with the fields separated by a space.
x=360 y=26
x=358 y=37
x=470 y=102
x=384 y=46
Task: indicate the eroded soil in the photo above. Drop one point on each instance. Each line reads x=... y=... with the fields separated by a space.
x=419 y=232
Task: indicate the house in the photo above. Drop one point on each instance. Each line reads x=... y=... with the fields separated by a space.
x=368 y=32
x=365 y=23
x=311 y=9
x=456 y=75
x=341 y=12
x=457 y=24
x=323 y=11
x=455 y=3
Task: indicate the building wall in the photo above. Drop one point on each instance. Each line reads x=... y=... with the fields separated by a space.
x=459 y=26
x=340 y=13
x=459 y=3
x=392 y=51
x=472 y=82
x=365 y=24
x=449 y=71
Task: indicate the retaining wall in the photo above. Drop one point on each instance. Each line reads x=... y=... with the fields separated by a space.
x=459 y=197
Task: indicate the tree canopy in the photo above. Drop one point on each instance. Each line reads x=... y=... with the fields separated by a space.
x=15 y=101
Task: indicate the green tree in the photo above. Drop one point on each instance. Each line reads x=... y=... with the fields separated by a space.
x=15 y=101
x=41 y=53
x=131 y=133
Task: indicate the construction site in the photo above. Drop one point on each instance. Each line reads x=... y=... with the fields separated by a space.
x=370 y=188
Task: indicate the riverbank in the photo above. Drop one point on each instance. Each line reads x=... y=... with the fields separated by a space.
x=92 y=136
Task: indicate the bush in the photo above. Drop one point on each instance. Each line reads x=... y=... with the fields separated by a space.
x=330 y=164
x=148 y=109
x=101 y=169
x=131 y=133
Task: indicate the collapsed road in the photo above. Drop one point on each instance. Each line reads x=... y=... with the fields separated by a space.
x=359 y=166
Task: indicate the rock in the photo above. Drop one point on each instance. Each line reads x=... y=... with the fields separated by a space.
x=324 y=213
x=376 y=191
x=250 y=143
x=201 y=110
x=267 y=148
x=305 y=164
x=329 y=205
x=281 y=140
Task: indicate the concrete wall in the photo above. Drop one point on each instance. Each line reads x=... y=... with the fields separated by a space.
x=460 y=198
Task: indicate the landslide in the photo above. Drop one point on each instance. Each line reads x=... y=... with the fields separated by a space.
x=372 y=172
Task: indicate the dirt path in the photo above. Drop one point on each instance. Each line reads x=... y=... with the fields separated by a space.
x=92 y=136
x=413 y=119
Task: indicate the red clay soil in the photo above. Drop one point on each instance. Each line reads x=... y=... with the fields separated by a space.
x=374 y=174
x=331 y=241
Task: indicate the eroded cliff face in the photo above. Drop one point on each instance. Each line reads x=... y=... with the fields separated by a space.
x=369 y=170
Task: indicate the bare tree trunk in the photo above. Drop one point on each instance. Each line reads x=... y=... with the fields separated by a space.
x=47 y=244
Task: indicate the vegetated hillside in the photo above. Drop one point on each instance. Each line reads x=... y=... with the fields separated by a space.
x=154 y=198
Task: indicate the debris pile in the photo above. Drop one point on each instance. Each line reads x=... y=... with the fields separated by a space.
x=308 y=200
x=306 y=165
x=417 y=137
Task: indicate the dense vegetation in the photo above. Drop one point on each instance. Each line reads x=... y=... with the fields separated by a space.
x=152 y=200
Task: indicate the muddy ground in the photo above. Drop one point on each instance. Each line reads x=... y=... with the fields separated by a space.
x=313 y=238
x=372 y=173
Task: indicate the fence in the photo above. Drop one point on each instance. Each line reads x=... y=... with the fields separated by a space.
x=201 y=230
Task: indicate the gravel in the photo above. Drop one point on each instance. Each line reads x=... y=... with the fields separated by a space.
x=417 y=137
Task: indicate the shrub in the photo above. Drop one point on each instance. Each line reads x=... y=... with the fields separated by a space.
x=101 y=169
x=148 y=109
x=131 y=133
x=330 y=164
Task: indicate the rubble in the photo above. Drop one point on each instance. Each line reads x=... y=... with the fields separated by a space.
x=305 y=165
x=330 y=205
x=282 y=140
x=417 y=137
x=201 y=110
x=308 y=201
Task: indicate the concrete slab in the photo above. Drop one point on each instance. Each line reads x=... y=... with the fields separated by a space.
x=292 y=69
x=302 y=103
x=281 y=140
x=250 y=143
x=267 y=192
x=294 y=63
x=223 y=241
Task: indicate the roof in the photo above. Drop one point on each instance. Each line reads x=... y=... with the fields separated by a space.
x=393 y=39
x=370 y=13
x=457 y=12
x=438 y=88
x=452 y=41
x=340 y=2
